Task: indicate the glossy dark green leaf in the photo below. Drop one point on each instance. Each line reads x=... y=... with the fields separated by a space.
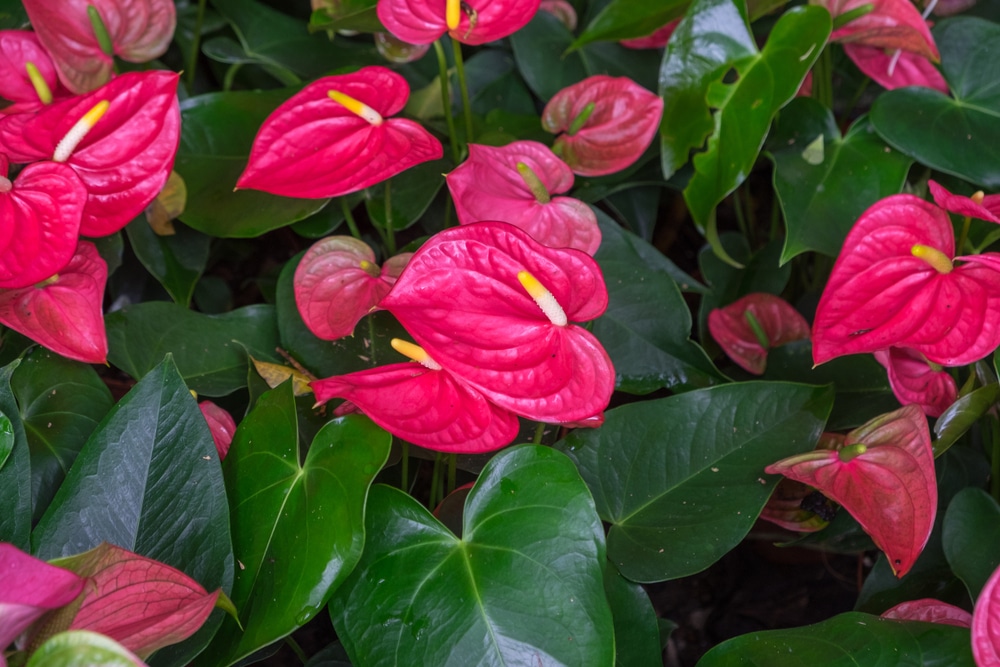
x=540 y=52
x=346 y=15
x=848 y=640
x=637 y=633
x=647 y=325
x=6 y=439
x=623 y=19
x=523 y=584
x=495 y=84
x=15 y=475
x=217 y=131
x=12 y=15
x=958 y=135
x=962 y=414
x=298 y=528
x=681 y=479
x=821 y=201
x=176 y=261
x=149 y=480
x=972 y=537
x=61 y=402
x=210 y=350
x=410 y=193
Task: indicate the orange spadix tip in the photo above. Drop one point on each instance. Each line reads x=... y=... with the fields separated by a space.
x=414 y=352
x=79 y=130
x=355 y=106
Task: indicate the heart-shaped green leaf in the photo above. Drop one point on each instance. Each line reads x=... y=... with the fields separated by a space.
x=637 y=634
x=15 y=475
x=523 y=584
x=681 y=479
x=177 y=261
x=972 y=537
x=624 y=19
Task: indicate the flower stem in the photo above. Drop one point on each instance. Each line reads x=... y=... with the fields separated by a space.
x=822 y=88
x=404 y=463
x=390 y=231
x=539 y=432
x=349 y=217
x=452 y=471
x=195 y=44
x=959 y=249
x=432 y=502
x=296 y=649
x=464 y=87
x=995 y=475
x=456 y=152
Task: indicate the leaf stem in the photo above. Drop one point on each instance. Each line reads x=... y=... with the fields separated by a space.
x=296 y=649
x=456 y=153
x=822 y=88
x=404 y=464
x=433 y=500
x=452 y=471
x=195 y=44
x=390 y=231
x=959 y=249
x=349 y=217
x=539 y=432
x=464 y=87
x=995 y=463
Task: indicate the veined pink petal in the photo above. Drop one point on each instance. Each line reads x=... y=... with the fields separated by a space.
x=655 y=40
x=461 y=299
x=140 y=30
x=41 y=214
x=623 y=122
x=986 y=624
x=221 y=425
x=17 y=49
x=430 y=408
x=488 y=186
x=892 y=24
x=888 y=485
x=896 y=69
x=312 y=146
x=880 y=295
x=987 y=207
x=480 y=21
x=913 y=381
x=731 y=328
x=64 y=315
x=930 y=610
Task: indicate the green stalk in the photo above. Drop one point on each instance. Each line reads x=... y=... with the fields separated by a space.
x=390 y=232
x=539 y=432
x=463 y=86
x=432 y=501
x=404 y=466
x=758 y=330
x=822 y=90
x=964 y=235
x=195 y=44
x=456 y=152
x=296 y=649
x=995 y=475
x=349 y=217
x=452 y=471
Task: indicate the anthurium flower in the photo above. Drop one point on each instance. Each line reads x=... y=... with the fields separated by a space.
x=515 y=184
x=930 y=610
x=28 y=589
x=494 y=307
x=84 y=35
x=654 y=40
x=64 y=312
x=41 y=210
x=895 y=284
x=747 y=328
x=891 y=24
x=335 y=137
x=799 y=507
x=607 y=122
x=26 y=70
x=120 y=140
x=986 y=624
x=979 y=205
x=338 y=282
x=468 y=21
x=884 y=476
x=562 y=10
x=221 y=425
x=915 y=381
x=896 y=69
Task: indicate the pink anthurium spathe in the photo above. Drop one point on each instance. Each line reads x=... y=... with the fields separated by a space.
x=337 y=282
x=895 y=284
x=884 y=476
x=41 y=210
x=495 y=308
x=896 y=69
x=986 y=624
x=606 y=123
x=799 y=507
x=747 y=328
x=120 y=140
x=979 y=205
x=221 y=425
x=64 y=312
x=930 y=610
x=891 y=24
x=135 y=30
x=915 y=381
x=562 y=10
x=28 y=589
x=26 y=70
x=335 y=136
x=516 y=183
x=655 y=40
x=467 y=21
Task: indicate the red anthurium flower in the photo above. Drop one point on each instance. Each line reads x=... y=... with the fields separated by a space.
x=335 y=137
x=655 y=40
x=120 y=140
x=29 y=588
x=930 y=610
x=895 y=285
x=26 y=70
x=338 y=282
x=883 y=476
x=891 y=24
x=424 y=404
x=896 y=69
x=799 y=507
x=221 y=425
x=986 y=624
x=915 y=381
x=41 y=211
x=135 y=30
x=64 y=313
x=493 y=307
x=746 y=329
x=607 y=122
x=979 y=205
x=468 y=21
x=515 y=184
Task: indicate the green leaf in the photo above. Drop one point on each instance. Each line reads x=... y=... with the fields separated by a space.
x=410 y=193
x=847 y=640
x=12 y=15
x=962 y=414
x=210 y=350
x=61 y=402
x=972 y=537
x=525 y=580
x=821 y=200
x=15 y=475
x=625 y=19
x=298 y=529
x=637 y=633
x=149 y=480
x=647 y=325
x=6 y=439
x=540 y=52
x=357 y=15
x=681 y=479
x=75 y=648
x=494 y=84
x=958 y=135
x=217 y=131
x=176 y=261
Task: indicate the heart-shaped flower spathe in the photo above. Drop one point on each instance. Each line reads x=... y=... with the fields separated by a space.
x=884 y=476
x=335 y=136
x=41 y=210
x=896 y=69
x=895 y=285
x=891 y=24
x=930 y=610
x=20 y=53
x=494 y=307
x=515 y=184
x=64 y=313
x=986 y=624
x=468 y=21
x=606 y=123
x=747 y=328
x=979 y=205
x=337 y=282
x=914 y=381
x=221 y=425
